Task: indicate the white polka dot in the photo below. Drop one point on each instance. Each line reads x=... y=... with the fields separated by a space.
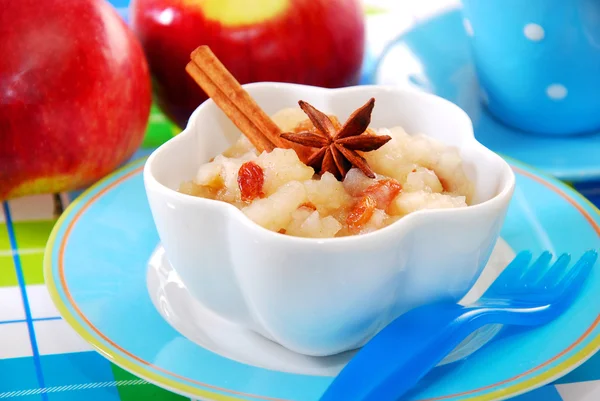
x=534 y=32
x=468 y=27
x=556 y=91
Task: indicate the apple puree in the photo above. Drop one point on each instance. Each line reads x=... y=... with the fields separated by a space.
x=279 y=192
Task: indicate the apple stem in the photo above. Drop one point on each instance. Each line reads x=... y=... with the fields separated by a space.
x=58 y=205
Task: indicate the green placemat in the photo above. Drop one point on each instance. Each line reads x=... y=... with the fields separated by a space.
x=160 y=129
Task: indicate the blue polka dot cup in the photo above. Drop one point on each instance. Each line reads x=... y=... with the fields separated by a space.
x=538 y=62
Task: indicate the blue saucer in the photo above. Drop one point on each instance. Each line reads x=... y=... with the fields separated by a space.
x=96 y=270
x=435 y=56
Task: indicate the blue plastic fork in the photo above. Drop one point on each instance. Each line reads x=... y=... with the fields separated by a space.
x=404 y=351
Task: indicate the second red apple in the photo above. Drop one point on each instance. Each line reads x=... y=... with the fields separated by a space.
x=313 y=42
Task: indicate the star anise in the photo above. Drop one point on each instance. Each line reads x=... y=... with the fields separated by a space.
x=338 y=148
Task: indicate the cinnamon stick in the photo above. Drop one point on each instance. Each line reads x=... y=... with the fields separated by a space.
x=260 y=142
x=233 y=100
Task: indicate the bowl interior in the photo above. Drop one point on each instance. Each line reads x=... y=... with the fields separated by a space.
x=210 y=132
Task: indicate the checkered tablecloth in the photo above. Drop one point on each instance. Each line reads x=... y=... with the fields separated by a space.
x=42 y=359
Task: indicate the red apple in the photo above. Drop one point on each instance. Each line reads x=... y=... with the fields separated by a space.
x=75 y=94
x=314 y=42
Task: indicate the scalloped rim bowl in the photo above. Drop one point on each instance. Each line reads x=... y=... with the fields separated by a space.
x=325 y=296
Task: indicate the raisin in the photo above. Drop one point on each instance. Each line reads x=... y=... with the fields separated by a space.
x=383 y=192
x=251 y=179
x=361 y=213
x=308 y=205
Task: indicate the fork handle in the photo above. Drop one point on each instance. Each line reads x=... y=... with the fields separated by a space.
x=404 y=351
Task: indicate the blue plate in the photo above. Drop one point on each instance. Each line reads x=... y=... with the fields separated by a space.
x=435 y=56
x=96 y=267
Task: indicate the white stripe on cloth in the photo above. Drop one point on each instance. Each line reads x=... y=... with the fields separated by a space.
x=72 y=387
x=26 y=251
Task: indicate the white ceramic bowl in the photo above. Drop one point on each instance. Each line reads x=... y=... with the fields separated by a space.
x=325 y=296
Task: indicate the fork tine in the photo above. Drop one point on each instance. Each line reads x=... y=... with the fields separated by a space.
x=555 y=271
x=512 y=272
x=536 y=271
x=577 y=274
